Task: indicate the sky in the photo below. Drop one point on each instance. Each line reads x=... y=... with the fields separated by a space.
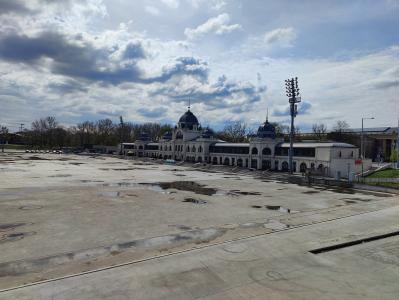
x=146 y=60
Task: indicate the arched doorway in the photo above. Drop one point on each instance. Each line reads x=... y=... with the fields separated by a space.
x=239 y=162
x=302 y=167
x=199 y=159
x=215 y=160
x=254 y=163
x=254 y=150
x=284 y=166
x=226 y=161
x=266 y=164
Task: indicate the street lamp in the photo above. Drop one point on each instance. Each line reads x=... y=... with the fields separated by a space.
x=362 y=150
x=292 y=92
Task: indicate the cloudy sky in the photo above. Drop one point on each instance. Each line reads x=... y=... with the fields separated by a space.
x=92 y=59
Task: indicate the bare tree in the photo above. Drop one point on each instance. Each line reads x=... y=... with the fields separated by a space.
x=3 y=136
x=235 y=132
x=319 y=130
x=341 y=126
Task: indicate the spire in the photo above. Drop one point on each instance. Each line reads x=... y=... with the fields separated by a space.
x=189 y=103
x=267 y=115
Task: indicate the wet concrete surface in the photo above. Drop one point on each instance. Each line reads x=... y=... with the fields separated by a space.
x=110 y=211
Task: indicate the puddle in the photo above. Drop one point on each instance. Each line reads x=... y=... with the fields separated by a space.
x=10 y=226
x=76 y=163
x=37 y=158
x=280 y=208
x=12 y=237
x=238 y=192
x=195 y=201
x=161 y=187
x=190 y=186
x=30 y=207
x=350 y=201
x=310 y=192
x=275 y=207
x=110 y=194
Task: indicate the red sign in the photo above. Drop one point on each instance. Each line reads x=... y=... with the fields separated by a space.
x=358 y=161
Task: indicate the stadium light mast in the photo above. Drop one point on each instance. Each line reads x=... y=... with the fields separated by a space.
x=292 y=92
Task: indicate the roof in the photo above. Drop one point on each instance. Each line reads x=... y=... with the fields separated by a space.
x=317 y=145
x=231 y=145
x=373 y=130
x=189 y=118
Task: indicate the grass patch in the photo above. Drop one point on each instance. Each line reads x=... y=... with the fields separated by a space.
x=14 y=147
x=387 y=173
x=394 y=185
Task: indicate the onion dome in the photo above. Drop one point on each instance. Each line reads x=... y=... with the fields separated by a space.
x=267 y=130
x=207 y=133
x=167 y=135
x=188 y=120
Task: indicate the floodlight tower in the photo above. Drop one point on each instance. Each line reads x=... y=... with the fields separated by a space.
x=292 y=92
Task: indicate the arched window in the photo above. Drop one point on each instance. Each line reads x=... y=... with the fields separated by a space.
x=284 y=166
x=193 y=149
x=254 y=150
x=200 y=149
x=302 y=167
x=266 y=151
x=188 y=149
x=340 y=154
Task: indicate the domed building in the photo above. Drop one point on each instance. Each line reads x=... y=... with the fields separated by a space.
x=188 y=121
x=265 y=150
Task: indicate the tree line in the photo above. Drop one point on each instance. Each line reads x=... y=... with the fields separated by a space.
x=48 y=133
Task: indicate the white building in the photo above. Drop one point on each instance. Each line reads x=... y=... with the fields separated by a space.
x=190 y=142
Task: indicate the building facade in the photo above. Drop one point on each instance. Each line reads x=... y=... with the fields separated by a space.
x=265 y=151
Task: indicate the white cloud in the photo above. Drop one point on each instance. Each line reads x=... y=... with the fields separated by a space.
x=171 y=3
x=213 y=4
x=218 y=25
x=152 y=10
x=283 y=37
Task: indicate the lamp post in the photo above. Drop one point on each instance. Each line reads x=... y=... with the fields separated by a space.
x=292 y=92
x=362 y=150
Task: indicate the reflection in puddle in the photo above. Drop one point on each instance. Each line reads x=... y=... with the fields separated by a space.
x=110 y=194
x=162 y=186
x=195 y=201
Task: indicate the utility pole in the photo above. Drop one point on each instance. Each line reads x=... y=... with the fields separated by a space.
x=362 y=150
x=21 y=125
x=292 y=92
x=121 y=135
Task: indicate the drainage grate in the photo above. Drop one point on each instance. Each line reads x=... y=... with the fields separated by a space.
x=353 y=243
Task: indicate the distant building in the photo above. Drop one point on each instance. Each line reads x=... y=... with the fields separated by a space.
x=190 y=142
x=379 y=142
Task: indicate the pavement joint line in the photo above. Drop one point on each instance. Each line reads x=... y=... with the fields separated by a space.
x=177 y=253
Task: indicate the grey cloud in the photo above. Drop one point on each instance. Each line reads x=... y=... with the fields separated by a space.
x=13 y=6
x=217 y=95
x=152 y=113
x=303 y=108
x=133 y=51
x=69 y=86
x=183 y=66
x=83 y=60
x=387 y=84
